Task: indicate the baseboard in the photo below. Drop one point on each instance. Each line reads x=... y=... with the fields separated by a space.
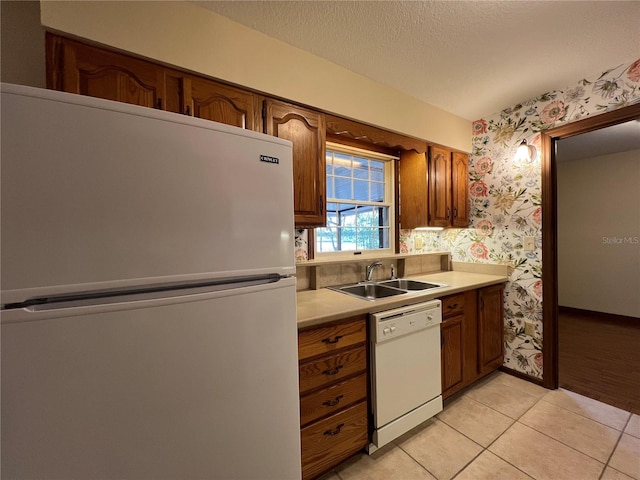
x=597 y=315
x=523 y=376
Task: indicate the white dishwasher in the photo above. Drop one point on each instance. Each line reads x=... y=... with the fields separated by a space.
x=405 y=381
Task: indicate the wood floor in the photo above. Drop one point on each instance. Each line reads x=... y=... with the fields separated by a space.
x=600 y=357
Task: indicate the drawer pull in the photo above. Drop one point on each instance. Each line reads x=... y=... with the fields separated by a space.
x=336 y=339
x=333 y=403
x=451 y=307
x=333 y=371
x=332 y=433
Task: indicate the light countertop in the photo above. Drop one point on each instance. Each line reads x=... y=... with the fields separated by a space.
x=319 y=306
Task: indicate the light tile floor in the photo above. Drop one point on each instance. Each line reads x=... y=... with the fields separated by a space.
x=507 y=428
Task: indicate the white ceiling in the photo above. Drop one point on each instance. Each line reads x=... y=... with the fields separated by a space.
x=606 y=141
x=470 y=58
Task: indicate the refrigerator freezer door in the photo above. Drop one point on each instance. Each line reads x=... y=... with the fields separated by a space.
x=196 y=389
x=95 y=191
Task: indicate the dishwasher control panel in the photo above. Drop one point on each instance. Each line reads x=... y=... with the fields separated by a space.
x=405 y=320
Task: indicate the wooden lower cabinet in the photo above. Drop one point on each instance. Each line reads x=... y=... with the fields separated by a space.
x=329 y=369
x=328 y=442
x=333 y=366
x=332 y=399
x=490 y=329
x=472 y=337
x=451 y=331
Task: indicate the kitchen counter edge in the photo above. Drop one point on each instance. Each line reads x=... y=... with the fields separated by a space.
x=316 y=307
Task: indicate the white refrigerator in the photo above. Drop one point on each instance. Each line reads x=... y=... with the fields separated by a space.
x=147 y=291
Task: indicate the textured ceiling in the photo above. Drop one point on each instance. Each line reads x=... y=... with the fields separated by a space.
x=470 y=58
x=606 y=141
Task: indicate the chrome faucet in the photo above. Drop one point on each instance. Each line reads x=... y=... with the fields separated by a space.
x=370 y=268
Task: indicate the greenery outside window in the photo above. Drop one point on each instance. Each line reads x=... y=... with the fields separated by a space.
x=359 y=202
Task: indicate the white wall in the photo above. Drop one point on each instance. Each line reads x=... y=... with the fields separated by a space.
x=187 y=36
x=22 y=57
x=599 y=233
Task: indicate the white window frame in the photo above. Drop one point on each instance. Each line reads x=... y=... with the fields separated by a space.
x=389 y=175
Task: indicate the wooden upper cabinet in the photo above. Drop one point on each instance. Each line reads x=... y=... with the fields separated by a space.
x=439 y=187
x=78 y=68
x=220 y=103
x=306 y=130
x=414 y=207
x=460 y=190
x=448 y=188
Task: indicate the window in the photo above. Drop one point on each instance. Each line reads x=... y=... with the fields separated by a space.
x=359 y=202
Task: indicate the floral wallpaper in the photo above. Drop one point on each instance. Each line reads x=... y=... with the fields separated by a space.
x=301 y=244
x=506 y=199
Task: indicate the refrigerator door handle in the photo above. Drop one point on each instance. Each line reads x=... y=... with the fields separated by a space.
x=135 y=299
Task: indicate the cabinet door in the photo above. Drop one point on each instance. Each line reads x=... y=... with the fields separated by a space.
x=439 y=187
x=414 y=211
x=211 y=100
x=452 y=354
x=328 y=442
x=490 y=328
x=306 y=130
x=77 y=68
x=460 y=190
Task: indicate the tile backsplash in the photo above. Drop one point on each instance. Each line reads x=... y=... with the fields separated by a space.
x=316 y=275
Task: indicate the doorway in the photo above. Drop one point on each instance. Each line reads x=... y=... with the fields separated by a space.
x=598 y=208
x=549 y=227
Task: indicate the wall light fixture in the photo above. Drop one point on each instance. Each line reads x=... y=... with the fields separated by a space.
x=525 y=152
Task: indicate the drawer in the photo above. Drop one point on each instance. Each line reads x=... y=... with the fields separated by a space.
x=328 y=442
x=453 y=305
x=330 y=400
x=323 y=340
x=332 y=368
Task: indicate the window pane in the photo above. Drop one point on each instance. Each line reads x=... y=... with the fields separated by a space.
x=377 y=192
x=384 y=234
x=348 y=238
x=342 y=188
x=329 y=187
x=360 y=190
x=377 y=171
x=367 y=216
x=342 y=164
x=365 y=240
x=361 y=168
x=327 y=239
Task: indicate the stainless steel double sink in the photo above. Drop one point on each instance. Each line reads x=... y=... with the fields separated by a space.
x=386 y=288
